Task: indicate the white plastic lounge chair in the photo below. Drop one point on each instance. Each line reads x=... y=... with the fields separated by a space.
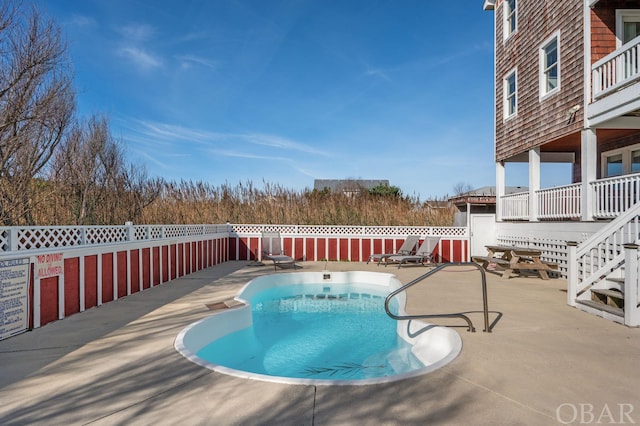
x=422 y=256
x=272 y=250
x=408 y=247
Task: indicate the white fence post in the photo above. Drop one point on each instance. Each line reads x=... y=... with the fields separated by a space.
x=631 y=312
x=131 y=232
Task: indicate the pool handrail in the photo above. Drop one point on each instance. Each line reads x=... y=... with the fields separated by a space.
x=471 y=328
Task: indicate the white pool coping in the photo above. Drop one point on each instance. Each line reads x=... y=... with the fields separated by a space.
x=434 y=346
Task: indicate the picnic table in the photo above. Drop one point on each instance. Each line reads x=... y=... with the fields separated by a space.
x=512 y=258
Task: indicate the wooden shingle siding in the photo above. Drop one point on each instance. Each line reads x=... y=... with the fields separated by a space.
x=539 y=121
x=603 y=26
x=603 y=32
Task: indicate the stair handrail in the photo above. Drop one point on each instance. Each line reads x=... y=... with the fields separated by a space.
x=471 y=328
x=599 y=237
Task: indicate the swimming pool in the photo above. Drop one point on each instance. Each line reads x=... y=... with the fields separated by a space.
x=325 y=328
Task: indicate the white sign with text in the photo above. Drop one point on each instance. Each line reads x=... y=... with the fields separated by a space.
x=14 y=287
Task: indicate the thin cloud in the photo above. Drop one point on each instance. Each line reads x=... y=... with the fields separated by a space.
x=170 y=131
x=140 y=58
x=377 y=72
x=82 y=21
x=136 y=32
x=152 y=159
x=188 y=61
x=237 y=154
x=280 y=142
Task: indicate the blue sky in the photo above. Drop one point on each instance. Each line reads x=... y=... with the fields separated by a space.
x=288 y=91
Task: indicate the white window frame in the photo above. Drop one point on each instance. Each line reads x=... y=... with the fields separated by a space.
x=622 y=16
x=507 y=12
x=626 y=159
x=505 y=94
x=543 y=93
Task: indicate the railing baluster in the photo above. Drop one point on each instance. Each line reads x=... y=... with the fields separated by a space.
x=616 y=69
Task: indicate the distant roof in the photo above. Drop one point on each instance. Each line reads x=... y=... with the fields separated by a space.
x=484 y=195
x=491 y=190
x=348 y=184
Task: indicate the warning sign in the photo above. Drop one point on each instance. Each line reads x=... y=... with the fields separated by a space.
x=49 y=265
x=14 y=284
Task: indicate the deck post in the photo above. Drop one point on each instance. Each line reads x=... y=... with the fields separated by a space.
x=588 y=169
x=534 y=183
x=500 y=189
x=572 y=272
x=631 y=311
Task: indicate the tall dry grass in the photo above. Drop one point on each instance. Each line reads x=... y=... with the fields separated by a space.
x=188 y=202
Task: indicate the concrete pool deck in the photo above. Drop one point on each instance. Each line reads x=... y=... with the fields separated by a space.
x=544 y=363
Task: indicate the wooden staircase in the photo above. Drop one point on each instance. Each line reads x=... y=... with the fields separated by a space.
x=603 y=272
x=606 y=301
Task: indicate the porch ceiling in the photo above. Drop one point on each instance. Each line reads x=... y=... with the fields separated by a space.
x=570 y=144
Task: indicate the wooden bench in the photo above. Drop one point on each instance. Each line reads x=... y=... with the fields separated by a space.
x=486 y=261
x=513 y=258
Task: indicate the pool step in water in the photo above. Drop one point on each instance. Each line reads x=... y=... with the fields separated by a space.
x=402 y=360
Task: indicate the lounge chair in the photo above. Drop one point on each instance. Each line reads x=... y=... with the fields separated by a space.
x=272 y=250
x=407 y=247
x=423 y=255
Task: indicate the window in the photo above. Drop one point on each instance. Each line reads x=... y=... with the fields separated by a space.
x=621 y=161
x=550 y=65
x=510 y=95
x=614 y=165
x=510 y=25
x=627 y=25
x=635 y=161
x=627 y=28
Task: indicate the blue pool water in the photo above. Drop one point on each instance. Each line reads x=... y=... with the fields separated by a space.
x=316 y=331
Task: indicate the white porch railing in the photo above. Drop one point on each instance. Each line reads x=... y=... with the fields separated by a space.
x=615 y=195
x=515 y=206
x=561 y=202
x=617 y=69
x=611 y=198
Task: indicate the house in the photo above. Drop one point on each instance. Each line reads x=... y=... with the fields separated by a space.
x=567 y=89
x=478 y=201
x=347 y=186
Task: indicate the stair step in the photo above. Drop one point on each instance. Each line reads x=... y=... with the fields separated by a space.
x=608 y=292
x=602 y=307
x=609 y=297
x=616 y=280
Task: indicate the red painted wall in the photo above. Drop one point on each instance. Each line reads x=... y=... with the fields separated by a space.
x=146 y=271
x=165 y=263
x=90 y=282
x=355 y=250
x=71 y=286
x=48 y=300
x=122 y=273
x=155 y=254
x=201 y=254
x=298 y=244
x=107 y=277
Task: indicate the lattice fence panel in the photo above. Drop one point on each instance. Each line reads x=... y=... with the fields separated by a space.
x=173 y=231
x=5 y=240
x=155 y=232
x=140 y=233
x=42 y=238
x=107 y=234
